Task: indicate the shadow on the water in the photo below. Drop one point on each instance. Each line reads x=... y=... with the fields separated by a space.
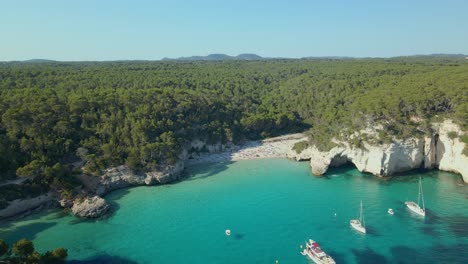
x=117 y=195
x=430 y=231
x=77 y=220
x=454 y=253
x=350 y=170
x=205 y=170
x=431 y=217
x=239 y=236
x=367 y=255
x=346 y=170
x=338 y=257
x=412 y=176
x=371 y=231
x=458 y=225
x=404 y=254
x=27 y=231
x=58 y=215
x=104 y=259
x=112 y=200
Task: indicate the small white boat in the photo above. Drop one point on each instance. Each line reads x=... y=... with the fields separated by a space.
x=228 y=232
x=415 y=207
x=315 y=253
x=390 y=211
x=359 y=224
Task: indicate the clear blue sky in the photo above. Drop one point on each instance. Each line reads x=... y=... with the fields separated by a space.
x=112 y=30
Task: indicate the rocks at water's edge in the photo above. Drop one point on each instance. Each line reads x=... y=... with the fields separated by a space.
x=90 y=207
x=117 y=178
x=436 y=151
x=122 y=176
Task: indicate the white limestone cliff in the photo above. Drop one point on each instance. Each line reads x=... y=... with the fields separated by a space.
x=449 y=152
x=437 y=151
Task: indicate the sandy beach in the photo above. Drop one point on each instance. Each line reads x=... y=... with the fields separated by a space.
x=277 y=147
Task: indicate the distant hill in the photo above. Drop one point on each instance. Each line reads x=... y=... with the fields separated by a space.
x=38 y=61
x=328 y=58
x=435 y=55
x=220 y=57
x=446 y=55
x=254 y=57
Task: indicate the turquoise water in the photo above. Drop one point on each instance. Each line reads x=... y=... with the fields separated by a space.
x=271 y=206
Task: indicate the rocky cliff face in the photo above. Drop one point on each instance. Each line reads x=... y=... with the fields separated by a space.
x=122 y=176
x=449 y=151
x=438 y=151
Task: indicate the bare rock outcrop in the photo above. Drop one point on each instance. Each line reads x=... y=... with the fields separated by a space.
x=90 y=207
x=166 y=175
x=122 y=176
x=117 y=178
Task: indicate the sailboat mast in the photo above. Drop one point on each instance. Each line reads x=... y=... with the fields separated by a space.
x=421 y=191
x=362 y=216
x=360 y=213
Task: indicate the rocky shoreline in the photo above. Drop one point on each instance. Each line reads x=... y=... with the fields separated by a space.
x=438 y=150
x=91 y=205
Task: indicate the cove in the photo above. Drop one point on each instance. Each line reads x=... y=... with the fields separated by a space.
x=271 y=206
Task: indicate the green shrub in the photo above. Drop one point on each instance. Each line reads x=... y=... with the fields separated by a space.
x=300 y=146
x=464 y=139
x=452 y=135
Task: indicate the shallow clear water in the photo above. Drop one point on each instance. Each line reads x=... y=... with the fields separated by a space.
x=271 y=206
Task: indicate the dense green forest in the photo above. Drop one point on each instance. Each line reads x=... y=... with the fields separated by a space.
x=143 y=113
x=23 y=252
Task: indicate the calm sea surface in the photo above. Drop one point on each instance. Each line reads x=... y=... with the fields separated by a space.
x=272 y=206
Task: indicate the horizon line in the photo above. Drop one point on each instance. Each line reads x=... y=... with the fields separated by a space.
x=192 y=58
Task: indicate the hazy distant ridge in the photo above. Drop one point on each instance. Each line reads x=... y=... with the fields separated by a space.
x=216 y=57
x=253 y=57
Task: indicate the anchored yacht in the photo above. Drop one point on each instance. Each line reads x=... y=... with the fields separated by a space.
x=315 y=253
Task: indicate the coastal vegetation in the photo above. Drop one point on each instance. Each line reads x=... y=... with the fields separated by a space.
x=23 y=252
x=57 y=116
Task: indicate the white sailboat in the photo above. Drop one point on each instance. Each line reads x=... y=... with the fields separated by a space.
x=359 y=224
x=415 y=207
